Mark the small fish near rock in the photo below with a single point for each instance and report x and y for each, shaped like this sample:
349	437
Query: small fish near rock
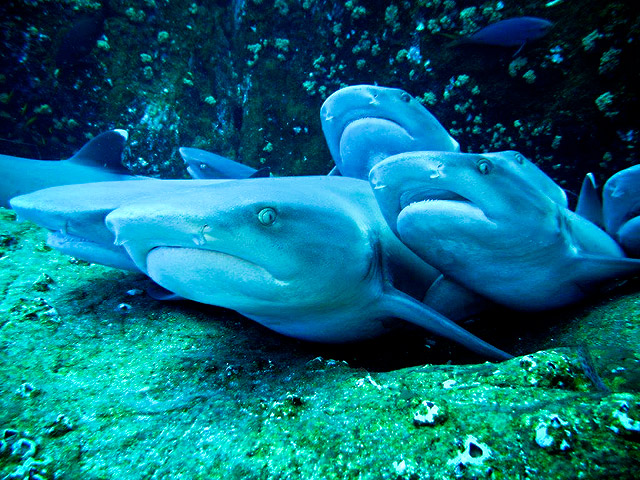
512	32
81	37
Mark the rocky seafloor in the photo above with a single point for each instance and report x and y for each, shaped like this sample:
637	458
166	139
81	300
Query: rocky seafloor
99	381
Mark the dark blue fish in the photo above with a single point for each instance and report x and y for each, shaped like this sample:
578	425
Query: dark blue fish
512	32
80	39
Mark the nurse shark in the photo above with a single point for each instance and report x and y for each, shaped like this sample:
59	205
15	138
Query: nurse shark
493	227
309	257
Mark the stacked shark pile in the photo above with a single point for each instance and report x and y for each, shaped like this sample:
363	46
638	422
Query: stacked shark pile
406	227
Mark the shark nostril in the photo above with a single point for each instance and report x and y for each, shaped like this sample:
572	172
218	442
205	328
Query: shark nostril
200	238
437	171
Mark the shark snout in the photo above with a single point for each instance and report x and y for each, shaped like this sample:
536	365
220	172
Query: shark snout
139	230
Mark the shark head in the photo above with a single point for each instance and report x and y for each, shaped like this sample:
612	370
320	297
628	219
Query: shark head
75	214
621	208
488	187
364	124
492	222
259	246
202	165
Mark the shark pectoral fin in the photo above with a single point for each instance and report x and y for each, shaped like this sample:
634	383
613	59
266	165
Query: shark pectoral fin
589	204
158	292
629	237
103	151
397	304
602	268
453	300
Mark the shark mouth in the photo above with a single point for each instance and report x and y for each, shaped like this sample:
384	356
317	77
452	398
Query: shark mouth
215	260
426	194
210	276
366	117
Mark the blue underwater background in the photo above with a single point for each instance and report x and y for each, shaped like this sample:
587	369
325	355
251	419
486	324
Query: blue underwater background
98	381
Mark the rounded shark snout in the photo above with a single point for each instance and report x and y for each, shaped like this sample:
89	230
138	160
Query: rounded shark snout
400	179
139	230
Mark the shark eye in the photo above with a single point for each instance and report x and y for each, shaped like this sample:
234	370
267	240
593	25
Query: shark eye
484	166
519	158
267	216
405	97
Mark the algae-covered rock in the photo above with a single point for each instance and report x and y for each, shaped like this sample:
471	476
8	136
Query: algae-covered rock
99	381
156	67
181	390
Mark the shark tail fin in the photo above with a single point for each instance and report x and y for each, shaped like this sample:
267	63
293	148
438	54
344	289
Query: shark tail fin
399	305
104	151
589	205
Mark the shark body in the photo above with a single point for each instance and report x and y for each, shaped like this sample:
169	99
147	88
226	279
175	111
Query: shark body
496	227
621	209
99	160
309	257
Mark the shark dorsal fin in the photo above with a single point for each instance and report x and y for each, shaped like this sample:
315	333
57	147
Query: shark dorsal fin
589	204
104	151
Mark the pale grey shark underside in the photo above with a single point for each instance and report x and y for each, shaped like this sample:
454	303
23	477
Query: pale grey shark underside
74	215
362	125
309	257
486	222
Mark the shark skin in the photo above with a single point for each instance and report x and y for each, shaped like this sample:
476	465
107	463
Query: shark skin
621	209
493	230
308	257
97	161
75	214
364	124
